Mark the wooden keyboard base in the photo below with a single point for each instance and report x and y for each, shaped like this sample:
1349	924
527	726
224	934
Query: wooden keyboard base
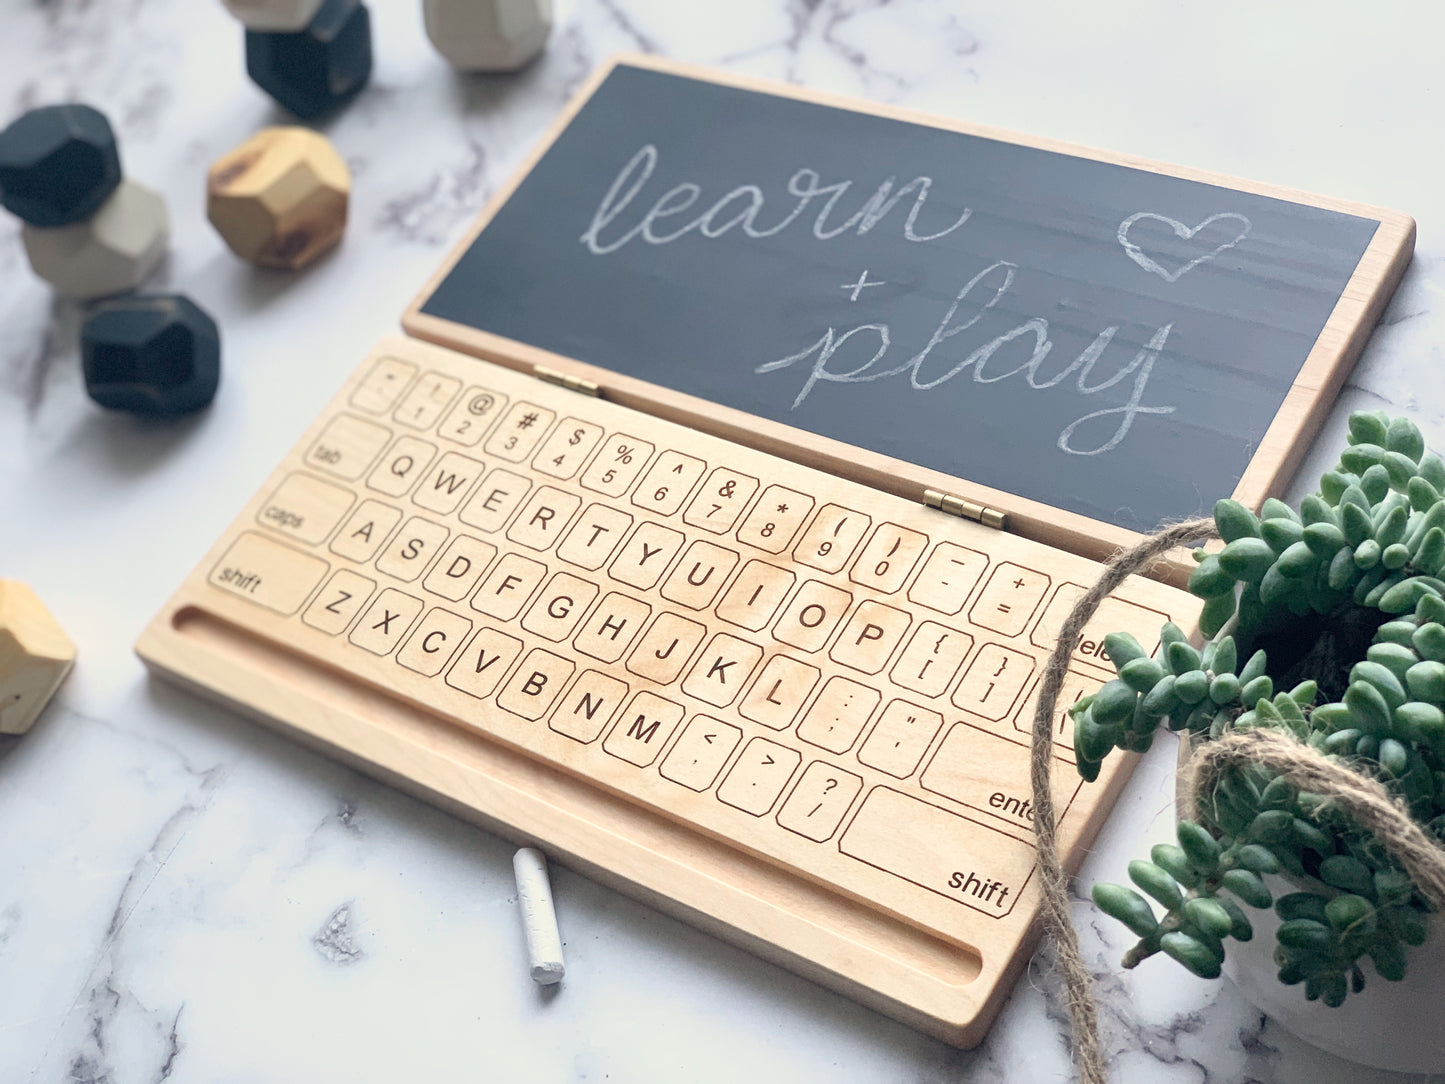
935	986
940	988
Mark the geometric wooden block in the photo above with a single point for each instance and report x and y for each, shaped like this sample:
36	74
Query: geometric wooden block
315	70
280	198
35	656
488	35
283	15
157	356
113	251
58	164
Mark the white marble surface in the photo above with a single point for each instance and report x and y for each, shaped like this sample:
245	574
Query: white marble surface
184	897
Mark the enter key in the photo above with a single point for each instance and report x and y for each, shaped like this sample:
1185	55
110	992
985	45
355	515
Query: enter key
991	774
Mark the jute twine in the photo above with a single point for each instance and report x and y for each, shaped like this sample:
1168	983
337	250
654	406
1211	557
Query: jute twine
1355	793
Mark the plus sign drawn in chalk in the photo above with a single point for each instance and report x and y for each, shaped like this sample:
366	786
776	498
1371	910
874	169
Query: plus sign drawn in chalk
860	285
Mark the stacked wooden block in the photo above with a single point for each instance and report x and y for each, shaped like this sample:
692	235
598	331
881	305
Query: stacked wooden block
89	231
312	56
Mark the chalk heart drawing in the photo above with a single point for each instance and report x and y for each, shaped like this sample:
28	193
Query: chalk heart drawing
1184	233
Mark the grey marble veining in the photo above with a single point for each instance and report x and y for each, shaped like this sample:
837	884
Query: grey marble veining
186	897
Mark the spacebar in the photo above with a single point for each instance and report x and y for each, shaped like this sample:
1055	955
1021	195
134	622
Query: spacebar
968	862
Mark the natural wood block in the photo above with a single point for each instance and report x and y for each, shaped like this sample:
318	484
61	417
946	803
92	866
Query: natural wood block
280	198
282	15
488	35
113	251
35	656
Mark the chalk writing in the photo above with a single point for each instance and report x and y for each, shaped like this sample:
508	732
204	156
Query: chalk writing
978	296
1184	233
740	208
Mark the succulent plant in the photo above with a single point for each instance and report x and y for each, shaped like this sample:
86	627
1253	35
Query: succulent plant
1338	602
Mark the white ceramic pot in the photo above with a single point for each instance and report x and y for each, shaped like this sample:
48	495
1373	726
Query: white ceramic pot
1389	1025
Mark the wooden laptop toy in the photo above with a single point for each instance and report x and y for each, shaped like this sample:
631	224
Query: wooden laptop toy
759	441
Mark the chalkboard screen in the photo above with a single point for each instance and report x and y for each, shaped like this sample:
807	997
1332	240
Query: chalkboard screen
1095	337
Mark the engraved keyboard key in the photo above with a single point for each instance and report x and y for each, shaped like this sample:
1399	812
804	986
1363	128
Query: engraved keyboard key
700	575
460	567
830	541
559	607
612	627
567	448
931	659
811	617
778	695
617	465
364	532
668	482
473	415
643	729
267	573
383	385
348	446
425	402
759	776
868	640
701	752
495	500
720	501
508	586
992	681
532	690
544	518
755	595
646	556
1075	685
305	508
948	577
819	801
401	466
407	555
1114	614
484	662
1009	599
722	670
889	557
664	650
447	483
520	431
938	850
839	714
596	535
338	602
775	519
434	642
588	706
903	734
991	774
385	621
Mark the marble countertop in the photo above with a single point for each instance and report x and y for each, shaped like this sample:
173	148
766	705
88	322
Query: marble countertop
185	897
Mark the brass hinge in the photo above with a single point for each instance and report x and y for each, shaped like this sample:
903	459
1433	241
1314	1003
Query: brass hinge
957	506
571	383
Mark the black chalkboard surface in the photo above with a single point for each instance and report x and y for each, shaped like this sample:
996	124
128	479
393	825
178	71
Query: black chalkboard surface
1083	333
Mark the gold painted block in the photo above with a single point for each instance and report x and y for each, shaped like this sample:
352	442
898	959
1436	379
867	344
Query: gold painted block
280	199
35	656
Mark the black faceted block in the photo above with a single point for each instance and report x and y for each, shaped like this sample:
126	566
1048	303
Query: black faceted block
156	355
58	164
316	70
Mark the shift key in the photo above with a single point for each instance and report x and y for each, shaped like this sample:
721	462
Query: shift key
268	573
939	851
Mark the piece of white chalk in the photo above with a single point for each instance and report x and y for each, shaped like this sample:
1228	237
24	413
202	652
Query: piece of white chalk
539	917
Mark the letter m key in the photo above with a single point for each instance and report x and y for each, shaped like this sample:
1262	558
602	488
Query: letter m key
644	730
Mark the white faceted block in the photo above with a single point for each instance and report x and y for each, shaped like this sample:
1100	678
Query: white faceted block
109	253
488	35
286	16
